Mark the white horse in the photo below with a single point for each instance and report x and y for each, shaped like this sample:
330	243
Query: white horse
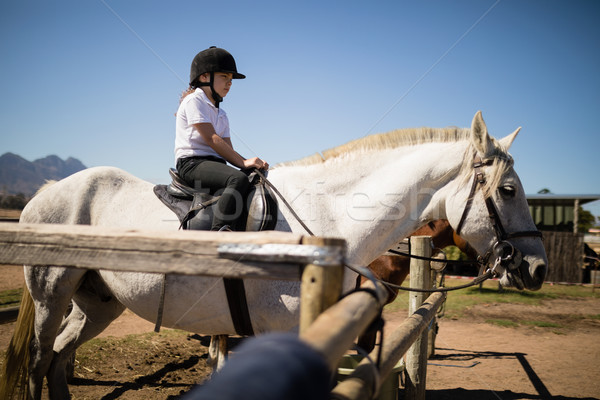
372	192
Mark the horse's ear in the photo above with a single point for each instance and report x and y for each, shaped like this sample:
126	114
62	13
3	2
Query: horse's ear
507	141
479	135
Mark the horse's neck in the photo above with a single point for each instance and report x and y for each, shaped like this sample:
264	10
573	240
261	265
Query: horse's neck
371	199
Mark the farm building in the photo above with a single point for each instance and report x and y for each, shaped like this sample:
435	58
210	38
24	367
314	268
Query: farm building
557	217
558	213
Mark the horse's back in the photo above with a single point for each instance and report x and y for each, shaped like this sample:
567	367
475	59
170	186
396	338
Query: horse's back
106	196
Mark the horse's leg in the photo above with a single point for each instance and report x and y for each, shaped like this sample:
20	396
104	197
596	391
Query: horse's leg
51	289
94	308
89	317
217	351
393	269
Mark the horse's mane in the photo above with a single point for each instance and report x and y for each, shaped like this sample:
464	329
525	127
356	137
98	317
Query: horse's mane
410	137
382	141
45	186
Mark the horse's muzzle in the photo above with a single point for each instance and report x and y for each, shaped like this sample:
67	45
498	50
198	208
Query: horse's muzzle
527	274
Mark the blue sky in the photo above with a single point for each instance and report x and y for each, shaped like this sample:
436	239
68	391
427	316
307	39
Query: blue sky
100	80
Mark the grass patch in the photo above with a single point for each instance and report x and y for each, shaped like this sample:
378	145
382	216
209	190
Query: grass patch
513	324
542	324
502	322
11	297
460	300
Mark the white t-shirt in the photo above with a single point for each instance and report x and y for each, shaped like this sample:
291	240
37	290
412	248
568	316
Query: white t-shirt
197	108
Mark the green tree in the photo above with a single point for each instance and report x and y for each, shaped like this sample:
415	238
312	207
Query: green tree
13	202
586	220
454	253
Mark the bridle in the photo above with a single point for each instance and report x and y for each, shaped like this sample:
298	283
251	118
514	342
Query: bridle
504	252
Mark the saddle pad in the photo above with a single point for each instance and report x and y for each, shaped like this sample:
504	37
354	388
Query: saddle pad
179	206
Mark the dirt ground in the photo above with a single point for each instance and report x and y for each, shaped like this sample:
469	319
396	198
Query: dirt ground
473	359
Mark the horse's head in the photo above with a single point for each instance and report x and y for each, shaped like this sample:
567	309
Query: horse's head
492	214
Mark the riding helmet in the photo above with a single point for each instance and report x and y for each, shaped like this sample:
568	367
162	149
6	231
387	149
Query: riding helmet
213	60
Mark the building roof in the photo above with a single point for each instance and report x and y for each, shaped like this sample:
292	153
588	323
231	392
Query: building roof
562	199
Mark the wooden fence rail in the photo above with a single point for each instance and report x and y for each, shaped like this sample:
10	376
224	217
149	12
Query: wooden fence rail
265	255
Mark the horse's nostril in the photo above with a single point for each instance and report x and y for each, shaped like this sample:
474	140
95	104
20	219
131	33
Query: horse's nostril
538	273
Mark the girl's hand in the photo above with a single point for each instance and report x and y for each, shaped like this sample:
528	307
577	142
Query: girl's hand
256	162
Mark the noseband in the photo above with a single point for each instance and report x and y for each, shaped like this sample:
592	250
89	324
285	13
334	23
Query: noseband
504	252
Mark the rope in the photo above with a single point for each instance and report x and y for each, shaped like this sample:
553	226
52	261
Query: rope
389	285
445	261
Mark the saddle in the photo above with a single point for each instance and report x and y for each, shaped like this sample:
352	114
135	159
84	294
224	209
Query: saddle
194	211
193	206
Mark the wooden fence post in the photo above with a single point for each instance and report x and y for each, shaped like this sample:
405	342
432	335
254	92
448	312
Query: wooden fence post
416	356
321	285
431	332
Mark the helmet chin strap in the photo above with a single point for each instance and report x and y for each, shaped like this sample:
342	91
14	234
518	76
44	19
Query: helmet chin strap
216	96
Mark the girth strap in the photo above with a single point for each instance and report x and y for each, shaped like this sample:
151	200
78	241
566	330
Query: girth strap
161	304
238	306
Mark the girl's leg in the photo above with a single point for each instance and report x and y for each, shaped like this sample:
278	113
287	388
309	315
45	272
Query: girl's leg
220	179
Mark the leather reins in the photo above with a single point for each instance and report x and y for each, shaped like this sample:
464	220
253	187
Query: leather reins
502	249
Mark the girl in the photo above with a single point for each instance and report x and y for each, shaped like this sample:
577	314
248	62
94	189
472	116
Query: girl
202	140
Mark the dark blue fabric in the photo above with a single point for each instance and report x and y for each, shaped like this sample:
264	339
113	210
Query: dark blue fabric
269	367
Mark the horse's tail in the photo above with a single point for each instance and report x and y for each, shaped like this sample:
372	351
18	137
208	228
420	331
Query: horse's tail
14	376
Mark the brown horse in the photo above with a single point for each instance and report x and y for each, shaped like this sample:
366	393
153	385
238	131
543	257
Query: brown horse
395	268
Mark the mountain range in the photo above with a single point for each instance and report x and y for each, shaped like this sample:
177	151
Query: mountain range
19	176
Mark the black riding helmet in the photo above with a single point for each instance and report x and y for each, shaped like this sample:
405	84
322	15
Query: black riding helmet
212	60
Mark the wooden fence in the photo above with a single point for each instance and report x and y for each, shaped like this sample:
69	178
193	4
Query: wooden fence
328	325
9	215
565	256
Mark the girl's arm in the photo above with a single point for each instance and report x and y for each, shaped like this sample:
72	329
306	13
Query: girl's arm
264	163
224	148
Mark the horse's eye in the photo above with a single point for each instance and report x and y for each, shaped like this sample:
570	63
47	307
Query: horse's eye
507	191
